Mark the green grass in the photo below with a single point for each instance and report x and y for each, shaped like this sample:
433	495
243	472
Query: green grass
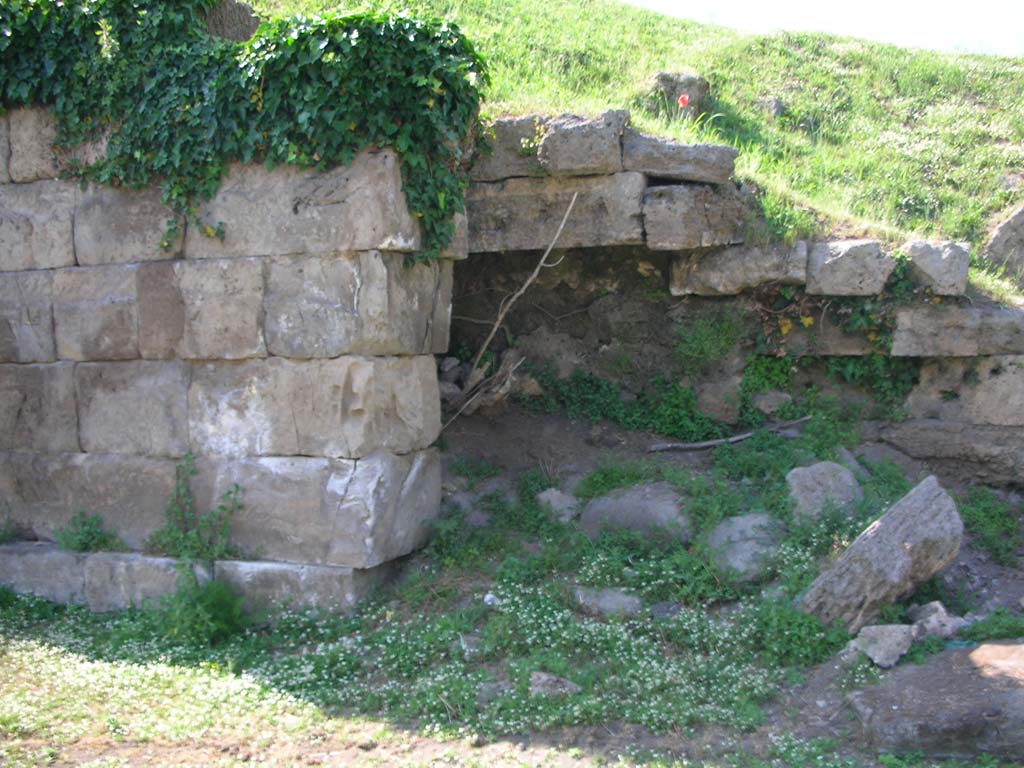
993	525
890	139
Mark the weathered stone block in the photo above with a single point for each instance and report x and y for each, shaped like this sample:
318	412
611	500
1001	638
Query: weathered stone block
34	156
524	214
5	149
358	513
736	269
209	310
744	545
685	217
289	210
42	492
513	149
1006	246
651	509
346	407
37	408
368	303
95	313
36	225
988	390
577	146
266	585
667	159
26	317
115	581
848	268
138	407
458	248
118	226
815	488
948	331
941	266
36	568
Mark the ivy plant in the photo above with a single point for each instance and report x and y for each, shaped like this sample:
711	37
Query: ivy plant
177	105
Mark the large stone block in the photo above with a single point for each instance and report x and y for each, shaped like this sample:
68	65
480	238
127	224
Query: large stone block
37	408
513	149
347	407
577	146
524	214
951	331
848	268
115	581
36	230
458	247
667	159
36	568
941	266
736	269
368	303
95	313
987	390
209	310
357	513
265	585
118	226
26	317
289	210
42	492
34	156
685	217
138	407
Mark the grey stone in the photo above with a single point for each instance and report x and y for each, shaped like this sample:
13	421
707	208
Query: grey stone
43	570
987	390
578	146
649	509
26	317
96	314
42	492
119	226
848	460
524	214
34	156
770	402
878	453
821	485
546	684
848	268
209	310
5	149
368	303
491	691
946	331
941	266
960	703
745	544
267	586
666	610
885	644
450	393
513	149
37	408
664	89
608	603
667	159
918	537
693	216
115	581
347	407
1005	248
232	20
739	268
458	247
289	210
563	506
36	225
138	407
932	620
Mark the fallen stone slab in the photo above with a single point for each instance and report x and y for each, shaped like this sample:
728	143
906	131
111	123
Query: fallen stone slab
848	268
738	268
653	508
948	331
608	603
744	544
524	214
826	484
37	408
26	317
885	644
36	229
513	150
940	266
918	537
686	217
959	704
988	390
578	146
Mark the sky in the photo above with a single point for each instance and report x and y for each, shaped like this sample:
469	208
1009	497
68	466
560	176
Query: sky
981	26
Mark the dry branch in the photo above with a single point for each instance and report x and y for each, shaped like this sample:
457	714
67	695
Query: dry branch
704	445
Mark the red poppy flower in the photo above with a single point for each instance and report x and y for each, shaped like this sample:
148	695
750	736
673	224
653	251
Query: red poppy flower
683	101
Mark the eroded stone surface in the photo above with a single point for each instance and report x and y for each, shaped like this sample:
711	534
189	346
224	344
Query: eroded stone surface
744	544
96	314
947	331
347	407
885	644
848	268
524	214
686	217
987	390
941	266
513	149
40	569
649	509
1006	246
268	585
26	317
609	603
119	226
37	408
36	225
667	159
115	581
736	269
289	210
33	154
577	146
821	486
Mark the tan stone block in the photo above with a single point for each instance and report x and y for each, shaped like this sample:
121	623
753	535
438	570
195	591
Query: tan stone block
138	407
987	390
37	408
115	581
267	585
513	150
161	310
26	317
346	407
738	268
690	216
953	331
289	210
34	156
43	570
119	226
36	225
368	303
458	248
848	268
95	312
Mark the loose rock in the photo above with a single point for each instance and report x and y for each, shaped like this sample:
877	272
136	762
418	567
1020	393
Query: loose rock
885	644
932	620
563	505
815	487
744	544
545	684
652	508
848	268
608	603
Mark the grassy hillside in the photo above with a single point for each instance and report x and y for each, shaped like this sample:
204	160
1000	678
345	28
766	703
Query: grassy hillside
873	137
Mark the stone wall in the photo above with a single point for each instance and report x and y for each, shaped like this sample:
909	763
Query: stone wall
293	357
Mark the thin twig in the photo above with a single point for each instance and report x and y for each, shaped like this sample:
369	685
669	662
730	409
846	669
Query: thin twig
704	445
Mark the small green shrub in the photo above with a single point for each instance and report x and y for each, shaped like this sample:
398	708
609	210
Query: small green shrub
1000	625
709	337
200	614
611	477
887	379
924	649
474	470
7	597
86	533
992	525
782	634
8	532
